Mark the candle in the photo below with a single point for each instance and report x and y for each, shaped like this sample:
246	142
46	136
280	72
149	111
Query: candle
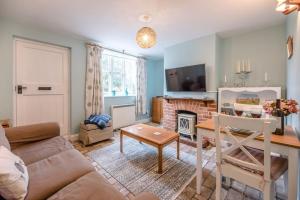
243	65
266	76
225	79
248	66
238	67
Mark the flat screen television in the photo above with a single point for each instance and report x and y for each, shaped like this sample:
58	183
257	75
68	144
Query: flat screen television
186	79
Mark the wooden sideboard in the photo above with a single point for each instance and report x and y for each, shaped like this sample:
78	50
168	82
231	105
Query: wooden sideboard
157	109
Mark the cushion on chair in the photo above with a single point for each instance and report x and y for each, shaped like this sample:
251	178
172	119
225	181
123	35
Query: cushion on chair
278	164
37	151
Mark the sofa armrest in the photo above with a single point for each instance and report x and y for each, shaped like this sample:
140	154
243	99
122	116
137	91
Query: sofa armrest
146	196
18	136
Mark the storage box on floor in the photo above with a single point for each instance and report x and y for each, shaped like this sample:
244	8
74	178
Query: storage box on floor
90	133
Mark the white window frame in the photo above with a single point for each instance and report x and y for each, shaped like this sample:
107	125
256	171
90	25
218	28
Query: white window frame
112	55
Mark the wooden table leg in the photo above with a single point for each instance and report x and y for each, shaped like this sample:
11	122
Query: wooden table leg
121	142
160	160
293	167
199	162
178	148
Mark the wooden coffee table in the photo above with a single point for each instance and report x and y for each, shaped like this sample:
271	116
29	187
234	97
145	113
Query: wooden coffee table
154	136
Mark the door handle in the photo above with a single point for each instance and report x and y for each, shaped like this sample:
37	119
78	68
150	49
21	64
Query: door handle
44	88
20	89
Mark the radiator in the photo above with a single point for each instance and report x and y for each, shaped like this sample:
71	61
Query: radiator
123	115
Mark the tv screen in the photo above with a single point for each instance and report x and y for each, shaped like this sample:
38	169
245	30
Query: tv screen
189	78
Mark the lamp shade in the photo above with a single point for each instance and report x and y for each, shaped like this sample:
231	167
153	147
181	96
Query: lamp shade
287	6
146	37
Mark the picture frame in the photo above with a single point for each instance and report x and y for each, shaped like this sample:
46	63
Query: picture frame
289	47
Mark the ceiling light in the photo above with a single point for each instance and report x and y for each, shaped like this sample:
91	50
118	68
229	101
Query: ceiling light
146	37
287	6
145	18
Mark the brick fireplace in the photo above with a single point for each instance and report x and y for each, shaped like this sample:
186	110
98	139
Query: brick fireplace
171	106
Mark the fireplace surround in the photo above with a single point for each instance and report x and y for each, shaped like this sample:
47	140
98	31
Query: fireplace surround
171	106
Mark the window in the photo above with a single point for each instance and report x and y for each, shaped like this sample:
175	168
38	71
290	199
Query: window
118	74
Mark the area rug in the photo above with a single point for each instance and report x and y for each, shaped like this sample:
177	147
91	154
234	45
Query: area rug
136	168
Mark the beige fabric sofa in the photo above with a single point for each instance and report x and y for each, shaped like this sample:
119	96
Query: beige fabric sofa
56	170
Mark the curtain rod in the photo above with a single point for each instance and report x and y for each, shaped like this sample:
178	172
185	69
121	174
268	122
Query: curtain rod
114	50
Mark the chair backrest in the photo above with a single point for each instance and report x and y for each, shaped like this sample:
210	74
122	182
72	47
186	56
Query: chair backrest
256	127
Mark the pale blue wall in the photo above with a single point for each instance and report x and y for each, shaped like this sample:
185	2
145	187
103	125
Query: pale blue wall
197	51
155	76
78	53
78	62
293	65
293	71
266	50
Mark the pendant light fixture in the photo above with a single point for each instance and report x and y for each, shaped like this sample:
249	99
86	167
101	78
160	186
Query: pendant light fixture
288	6
146	36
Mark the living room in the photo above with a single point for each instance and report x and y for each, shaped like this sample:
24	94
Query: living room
122	99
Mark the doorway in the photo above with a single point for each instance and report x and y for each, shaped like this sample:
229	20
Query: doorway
41	82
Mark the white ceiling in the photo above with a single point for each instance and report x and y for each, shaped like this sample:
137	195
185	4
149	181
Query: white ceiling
114	23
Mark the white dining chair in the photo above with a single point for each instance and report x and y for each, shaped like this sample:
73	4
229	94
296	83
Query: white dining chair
253	167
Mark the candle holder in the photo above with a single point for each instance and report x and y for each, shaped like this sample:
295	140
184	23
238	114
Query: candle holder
243	75
243	69
266	83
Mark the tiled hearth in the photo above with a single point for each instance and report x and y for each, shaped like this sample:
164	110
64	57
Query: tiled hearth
201	108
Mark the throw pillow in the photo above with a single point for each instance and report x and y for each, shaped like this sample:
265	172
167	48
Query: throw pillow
13	175
3	139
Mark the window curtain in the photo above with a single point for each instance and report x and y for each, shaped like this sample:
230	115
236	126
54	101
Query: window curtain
94	100
141	98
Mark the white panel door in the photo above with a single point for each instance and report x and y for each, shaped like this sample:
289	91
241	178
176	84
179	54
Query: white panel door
41	74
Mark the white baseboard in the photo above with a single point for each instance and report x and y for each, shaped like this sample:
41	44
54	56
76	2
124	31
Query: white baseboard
142	121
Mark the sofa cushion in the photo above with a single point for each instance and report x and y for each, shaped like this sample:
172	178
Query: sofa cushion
3	139
13	175
92	186
48	176
21	135
146	196
37	151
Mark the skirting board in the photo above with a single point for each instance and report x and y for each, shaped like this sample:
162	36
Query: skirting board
75	136
143	121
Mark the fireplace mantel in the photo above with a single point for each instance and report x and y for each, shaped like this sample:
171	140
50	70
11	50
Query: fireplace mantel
204	100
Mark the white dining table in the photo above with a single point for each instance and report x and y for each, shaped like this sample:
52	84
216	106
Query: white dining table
287	145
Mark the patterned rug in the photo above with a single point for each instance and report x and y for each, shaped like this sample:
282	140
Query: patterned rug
136	168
